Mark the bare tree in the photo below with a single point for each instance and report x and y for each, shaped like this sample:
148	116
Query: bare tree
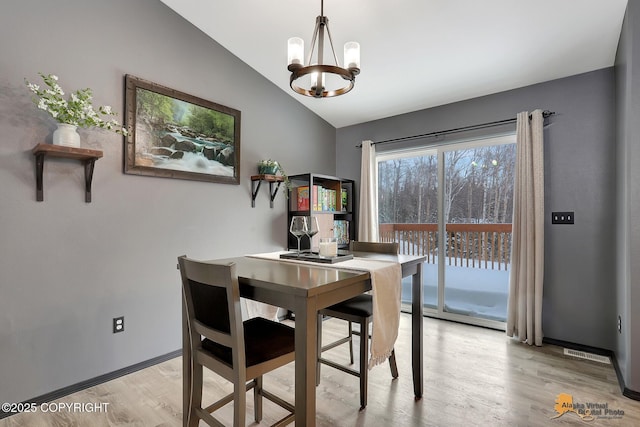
478	186
456	170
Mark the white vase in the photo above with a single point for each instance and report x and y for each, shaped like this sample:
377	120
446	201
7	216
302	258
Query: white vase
66	135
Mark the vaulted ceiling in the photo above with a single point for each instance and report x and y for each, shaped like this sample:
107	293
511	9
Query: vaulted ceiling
417	54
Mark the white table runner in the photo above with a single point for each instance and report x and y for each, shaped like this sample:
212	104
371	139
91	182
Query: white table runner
386	277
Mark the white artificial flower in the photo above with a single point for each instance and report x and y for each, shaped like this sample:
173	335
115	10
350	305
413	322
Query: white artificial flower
77	111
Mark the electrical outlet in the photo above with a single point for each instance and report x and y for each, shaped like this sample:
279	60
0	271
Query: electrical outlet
118	324
619	324
561	217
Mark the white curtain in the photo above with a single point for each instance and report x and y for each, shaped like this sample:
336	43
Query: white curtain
368	207
524	316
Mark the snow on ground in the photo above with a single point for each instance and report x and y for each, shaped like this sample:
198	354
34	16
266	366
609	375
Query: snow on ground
476	292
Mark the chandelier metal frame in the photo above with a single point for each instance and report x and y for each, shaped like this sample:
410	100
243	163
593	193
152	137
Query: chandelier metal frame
317	71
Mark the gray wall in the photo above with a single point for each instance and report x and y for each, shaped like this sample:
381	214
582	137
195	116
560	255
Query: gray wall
628	196
68	267
579	289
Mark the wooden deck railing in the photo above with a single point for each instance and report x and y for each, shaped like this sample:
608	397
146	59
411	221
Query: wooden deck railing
468	245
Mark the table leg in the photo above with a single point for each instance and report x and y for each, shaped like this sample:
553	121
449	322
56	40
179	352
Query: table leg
306	358
416	327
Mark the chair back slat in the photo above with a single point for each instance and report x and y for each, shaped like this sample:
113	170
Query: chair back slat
210	305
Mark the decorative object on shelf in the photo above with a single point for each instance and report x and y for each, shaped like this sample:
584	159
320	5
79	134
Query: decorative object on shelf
202	143
344	196
66	135
324	80
268	167
272	167
76	111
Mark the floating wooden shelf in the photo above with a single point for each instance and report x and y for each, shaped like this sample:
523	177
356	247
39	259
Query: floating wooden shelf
84	155
256	181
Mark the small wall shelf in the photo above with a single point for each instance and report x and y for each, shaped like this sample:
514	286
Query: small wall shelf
86	156
256	181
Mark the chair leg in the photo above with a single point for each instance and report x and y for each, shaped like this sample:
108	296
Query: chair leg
257	399
239	402
319	349
364	359
393	365
351	341
196	395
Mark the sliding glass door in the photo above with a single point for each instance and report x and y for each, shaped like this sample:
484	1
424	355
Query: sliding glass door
453	204
408	211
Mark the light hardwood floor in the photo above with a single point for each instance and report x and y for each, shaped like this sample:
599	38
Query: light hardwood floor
473	377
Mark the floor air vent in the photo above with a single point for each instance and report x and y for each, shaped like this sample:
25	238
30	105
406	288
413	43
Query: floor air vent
588	356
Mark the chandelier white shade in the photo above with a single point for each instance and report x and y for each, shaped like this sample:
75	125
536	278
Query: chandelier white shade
325	80
352	55
295	50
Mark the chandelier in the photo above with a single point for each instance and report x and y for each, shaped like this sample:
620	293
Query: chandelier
324	80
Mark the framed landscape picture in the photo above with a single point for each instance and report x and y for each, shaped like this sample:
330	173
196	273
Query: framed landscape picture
176	135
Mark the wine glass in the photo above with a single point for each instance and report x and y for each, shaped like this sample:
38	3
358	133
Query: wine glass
311	229
298	228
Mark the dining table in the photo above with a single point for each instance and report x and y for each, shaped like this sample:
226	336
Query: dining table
305	288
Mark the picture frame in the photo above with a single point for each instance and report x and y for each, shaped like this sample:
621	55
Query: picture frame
172	134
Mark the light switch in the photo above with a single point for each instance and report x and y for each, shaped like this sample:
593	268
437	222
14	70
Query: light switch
562	217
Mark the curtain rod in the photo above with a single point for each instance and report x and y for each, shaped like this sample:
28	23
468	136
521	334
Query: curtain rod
545	114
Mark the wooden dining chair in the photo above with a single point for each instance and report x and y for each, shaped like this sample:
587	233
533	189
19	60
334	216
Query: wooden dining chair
358	309
218	339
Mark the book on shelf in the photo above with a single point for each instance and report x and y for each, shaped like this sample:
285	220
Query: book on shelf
320	198
315	198
324	199
341	231
303	198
